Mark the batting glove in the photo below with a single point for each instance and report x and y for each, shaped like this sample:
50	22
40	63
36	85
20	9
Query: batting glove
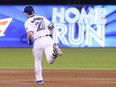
30	42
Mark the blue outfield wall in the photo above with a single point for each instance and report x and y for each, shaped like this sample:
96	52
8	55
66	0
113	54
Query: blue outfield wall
75	26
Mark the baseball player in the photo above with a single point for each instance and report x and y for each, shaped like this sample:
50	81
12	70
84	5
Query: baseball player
40	29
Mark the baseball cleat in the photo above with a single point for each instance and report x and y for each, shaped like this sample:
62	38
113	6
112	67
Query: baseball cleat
54	55
57	51
40	82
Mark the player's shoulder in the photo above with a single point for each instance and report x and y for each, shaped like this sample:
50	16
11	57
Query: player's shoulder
39	16
27	21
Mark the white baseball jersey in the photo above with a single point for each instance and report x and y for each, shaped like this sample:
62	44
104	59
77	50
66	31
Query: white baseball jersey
39	25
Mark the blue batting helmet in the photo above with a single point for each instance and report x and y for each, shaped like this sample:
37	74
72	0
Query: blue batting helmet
28	9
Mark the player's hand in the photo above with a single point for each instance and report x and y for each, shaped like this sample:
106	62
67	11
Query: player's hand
30	42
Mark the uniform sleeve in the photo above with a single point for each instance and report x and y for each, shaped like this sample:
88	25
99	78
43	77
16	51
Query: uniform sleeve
49	24
28	27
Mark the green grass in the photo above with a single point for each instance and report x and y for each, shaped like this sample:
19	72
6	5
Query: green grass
72	59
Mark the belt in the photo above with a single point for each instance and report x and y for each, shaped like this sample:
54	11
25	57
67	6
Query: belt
42	36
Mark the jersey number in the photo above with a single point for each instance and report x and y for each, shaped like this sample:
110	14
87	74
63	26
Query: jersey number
41	26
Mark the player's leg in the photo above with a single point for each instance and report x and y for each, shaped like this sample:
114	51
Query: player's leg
37	64
52	52
49	54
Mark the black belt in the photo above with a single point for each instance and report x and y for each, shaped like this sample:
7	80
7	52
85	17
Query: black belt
42	36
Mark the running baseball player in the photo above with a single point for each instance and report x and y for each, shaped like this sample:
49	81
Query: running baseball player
40	29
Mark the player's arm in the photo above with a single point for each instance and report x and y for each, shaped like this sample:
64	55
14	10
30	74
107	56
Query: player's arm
29	31
30	36
51	31
51	27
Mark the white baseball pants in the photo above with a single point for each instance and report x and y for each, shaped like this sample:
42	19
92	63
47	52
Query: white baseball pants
42	45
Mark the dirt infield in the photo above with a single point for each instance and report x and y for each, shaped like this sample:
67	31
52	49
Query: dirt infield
55	78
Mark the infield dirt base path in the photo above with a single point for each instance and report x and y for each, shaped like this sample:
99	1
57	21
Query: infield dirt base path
55	78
